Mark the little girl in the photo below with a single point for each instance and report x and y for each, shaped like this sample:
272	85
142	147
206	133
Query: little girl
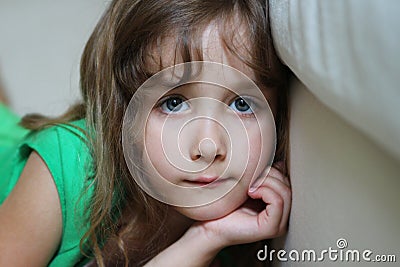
68	195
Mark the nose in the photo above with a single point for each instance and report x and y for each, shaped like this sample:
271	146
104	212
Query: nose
209	142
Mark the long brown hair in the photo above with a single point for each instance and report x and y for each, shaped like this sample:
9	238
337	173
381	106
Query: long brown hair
126	225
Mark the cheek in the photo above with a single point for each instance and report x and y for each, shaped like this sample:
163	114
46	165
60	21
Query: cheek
154	160
261	151
255	149
153	140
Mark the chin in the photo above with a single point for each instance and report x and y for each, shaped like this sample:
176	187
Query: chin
212	211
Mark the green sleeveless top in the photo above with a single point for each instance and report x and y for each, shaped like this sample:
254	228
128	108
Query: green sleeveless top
65	153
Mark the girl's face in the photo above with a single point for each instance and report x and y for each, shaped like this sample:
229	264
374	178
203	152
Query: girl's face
204	135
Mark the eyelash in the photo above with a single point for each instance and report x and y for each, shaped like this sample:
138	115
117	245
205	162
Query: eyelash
163	104
248	102
165	100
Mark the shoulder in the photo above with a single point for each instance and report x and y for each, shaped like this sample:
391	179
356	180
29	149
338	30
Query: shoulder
31	218
65	151
63	147
72	134
57	156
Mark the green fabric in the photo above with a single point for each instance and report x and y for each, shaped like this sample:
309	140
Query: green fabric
65	153
10	131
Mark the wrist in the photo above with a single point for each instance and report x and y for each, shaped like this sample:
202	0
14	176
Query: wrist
206	242
195	249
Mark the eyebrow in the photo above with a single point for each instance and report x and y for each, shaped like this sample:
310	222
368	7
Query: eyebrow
250	84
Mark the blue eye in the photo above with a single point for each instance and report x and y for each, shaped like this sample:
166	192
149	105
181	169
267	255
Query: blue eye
174	104
242	106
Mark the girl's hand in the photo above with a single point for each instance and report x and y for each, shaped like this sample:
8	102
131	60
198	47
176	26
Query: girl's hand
264	215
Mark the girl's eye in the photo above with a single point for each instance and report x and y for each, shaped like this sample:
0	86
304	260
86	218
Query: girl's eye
242	106
174	104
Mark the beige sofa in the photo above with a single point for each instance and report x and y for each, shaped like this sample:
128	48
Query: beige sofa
345	128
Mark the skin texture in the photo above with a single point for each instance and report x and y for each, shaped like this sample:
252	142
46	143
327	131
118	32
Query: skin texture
205	142
30	218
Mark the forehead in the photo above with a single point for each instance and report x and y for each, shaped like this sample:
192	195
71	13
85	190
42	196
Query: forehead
213	43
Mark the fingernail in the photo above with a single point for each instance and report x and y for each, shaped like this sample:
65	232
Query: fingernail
252	189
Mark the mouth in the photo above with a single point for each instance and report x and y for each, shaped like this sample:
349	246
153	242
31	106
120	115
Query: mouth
201	181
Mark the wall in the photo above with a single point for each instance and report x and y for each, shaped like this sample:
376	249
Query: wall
40	48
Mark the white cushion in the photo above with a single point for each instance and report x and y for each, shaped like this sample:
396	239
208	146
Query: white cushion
347	53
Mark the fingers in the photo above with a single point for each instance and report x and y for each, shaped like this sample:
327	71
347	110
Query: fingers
264	215
269	219
285	194
276	193
274	172
281	184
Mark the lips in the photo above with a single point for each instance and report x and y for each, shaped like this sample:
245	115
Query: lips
201	181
